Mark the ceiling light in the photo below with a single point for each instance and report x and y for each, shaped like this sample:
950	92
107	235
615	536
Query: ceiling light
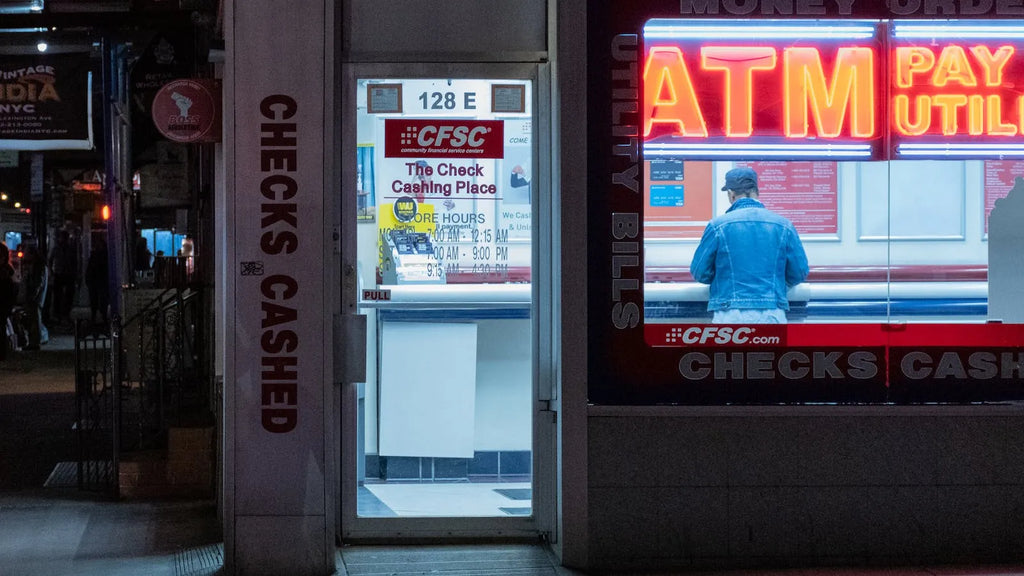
21	6
41	46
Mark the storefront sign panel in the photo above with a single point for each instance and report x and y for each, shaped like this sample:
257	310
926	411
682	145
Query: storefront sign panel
801	89
276	230
805	192
1000	177
453	185
46	102
953	91
188	110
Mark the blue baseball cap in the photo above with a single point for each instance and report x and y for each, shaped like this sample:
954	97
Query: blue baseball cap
740	179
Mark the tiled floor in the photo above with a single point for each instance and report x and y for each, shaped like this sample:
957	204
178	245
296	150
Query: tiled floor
450	499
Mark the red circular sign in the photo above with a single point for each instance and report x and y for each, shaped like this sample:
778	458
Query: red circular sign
184	110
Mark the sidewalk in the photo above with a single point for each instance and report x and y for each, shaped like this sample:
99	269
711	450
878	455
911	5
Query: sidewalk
64	532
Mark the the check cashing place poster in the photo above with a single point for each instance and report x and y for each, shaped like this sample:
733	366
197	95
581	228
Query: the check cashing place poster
456	165
793	88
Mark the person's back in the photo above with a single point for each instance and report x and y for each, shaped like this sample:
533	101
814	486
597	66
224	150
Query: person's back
62	258
750	256
749	269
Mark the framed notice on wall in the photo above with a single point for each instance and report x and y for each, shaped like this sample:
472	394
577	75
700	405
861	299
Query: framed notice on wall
384	98
805	192
999	179
678	198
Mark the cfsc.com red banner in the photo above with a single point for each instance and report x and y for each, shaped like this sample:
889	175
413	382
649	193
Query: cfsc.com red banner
936	362
800	335
442	138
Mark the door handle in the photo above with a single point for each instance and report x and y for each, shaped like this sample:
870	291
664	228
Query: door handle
349	348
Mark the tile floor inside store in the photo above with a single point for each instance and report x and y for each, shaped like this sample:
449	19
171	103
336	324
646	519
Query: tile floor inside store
445	499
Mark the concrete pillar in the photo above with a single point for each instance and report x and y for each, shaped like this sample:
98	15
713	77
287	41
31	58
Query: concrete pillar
279	474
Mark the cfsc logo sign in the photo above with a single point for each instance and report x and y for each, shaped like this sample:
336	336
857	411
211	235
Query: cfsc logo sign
714	335
440	138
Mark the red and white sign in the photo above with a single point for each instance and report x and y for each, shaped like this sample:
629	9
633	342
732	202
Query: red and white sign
805	192
832	335
999	179
382	295
441	138
188	110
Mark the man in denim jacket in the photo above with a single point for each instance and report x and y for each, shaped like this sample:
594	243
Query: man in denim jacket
750	256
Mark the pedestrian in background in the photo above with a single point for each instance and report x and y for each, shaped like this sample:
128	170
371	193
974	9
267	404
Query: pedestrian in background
35	278
8	296
97	282
64	267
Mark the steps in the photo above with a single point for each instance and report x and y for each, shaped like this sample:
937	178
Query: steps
184	470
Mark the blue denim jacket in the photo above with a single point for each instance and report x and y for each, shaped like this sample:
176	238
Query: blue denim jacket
749	256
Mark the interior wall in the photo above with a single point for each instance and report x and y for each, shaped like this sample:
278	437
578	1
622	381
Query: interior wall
924	203
807	486
503	395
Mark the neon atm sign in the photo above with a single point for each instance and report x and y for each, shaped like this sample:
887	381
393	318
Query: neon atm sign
815	89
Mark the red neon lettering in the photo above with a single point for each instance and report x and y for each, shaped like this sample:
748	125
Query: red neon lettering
975	115
825	103
953	67
669	97
995	124
911	60
1020	113
738	63
993	63
901	114
948	105
806	91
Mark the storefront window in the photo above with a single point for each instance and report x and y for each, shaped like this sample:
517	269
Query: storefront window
891	148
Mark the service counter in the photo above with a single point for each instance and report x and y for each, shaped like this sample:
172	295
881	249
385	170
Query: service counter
448	392
842	294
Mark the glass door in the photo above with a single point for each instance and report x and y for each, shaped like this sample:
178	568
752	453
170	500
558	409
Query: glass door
443	171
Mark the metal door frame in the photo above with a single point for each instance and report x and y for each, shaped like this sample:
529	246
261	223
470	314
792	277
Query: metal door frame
542	522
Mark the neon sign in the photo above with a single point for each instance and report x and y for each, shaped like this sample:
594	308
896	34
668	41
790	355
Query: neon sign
953	90
756	89
751	89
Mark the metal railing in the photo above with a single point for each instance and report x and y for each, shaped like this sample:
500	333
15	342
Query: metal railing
135	380
96	415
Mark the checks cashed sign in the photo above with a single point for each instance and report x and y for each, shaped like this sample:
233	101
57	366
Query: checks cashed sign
277	484
46	102
279	182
